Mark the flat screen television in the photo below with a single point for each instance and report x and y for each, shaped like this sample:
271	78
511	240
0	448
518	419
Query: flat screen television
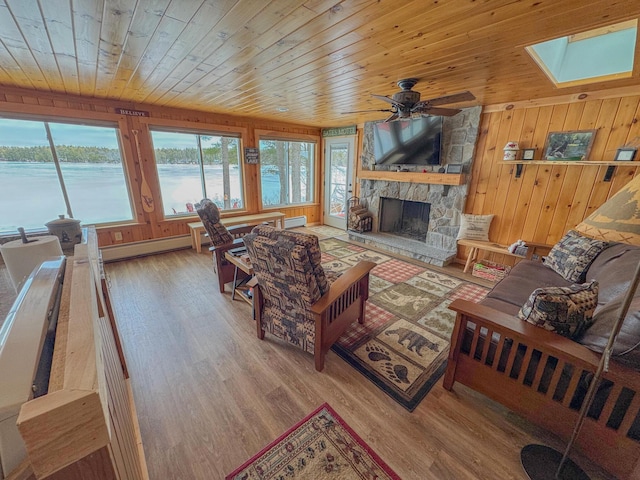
408	142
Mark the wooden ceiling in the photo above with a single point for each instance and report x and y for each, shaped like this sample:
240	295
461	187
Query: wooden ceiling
316	58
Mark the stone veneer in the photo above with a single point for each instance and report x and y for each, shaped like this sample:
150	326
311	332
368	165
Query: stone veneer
460	133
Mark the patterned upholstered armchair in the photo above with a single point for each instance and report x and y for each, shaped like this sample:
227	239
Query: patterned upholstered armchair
222	239
294	300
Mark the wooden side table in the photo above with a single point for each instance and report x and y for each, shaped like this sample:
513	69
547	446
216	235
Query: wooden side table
478	246
243	264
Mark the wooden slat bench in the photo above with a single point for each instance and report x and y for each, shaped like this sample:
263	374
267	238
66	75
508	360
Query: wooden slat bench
196	228
477	246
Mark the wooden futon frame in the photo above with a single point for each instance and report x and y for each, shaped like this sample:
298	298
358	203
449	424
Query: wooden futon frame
543	377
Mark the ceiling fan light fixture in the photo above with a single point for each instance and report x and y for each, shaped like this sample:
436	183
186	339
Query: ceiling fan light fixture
406	103
282	109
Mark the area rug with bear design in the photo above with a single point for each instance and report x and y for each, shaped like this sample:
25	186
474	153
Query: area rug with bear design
403	345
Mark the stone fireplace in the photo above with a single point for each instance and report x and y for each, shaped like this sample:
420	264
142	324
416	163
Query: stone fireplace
437	245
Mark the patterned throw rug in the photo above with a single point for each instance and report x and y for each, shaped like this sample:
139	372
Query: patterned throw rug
321	446
404	344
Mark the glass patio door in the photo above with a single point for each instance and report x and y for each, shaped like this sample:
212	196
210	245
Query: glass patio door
339	154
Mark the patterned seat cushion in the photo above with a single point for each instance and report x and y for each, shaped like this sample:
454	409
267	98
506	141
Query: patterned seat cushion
289	288
573	254
567	311
310	242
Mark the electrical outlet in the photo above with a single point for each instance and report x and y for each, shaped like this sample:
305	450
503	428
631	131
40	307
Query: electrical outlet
117	236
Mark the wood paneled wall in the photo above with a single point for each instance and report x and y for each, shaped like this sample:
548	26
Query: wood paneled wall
153	225
540	206
547	200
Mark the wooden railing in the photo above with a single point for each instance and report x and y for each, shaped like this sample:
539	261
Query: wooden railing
87	421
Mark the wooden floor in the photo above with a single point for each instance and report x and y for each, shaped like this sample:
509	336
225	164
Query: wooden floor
210	394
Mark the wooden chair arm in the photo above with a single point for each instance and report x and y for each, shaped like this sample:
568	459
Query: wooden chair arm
346	280
526	333
240	229
237	242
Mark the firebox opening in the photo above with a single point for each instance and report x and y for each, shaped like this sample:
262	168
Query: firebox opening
404	218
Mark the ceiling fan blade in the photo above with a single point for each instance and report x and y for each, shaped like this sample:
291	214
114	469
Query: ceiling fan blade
387	99
392	117
443	112
364	111
455	98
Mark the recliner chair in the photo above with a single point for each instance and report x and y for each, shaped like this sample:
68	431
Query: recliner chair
294	300
222	240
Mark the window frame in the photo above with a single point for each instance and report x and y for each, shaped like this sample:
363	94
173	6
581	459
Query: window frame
178	126
291	137
37	113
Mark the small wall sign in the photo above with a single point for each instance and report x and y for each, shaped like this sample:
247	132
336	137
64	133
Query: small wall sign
252	156
339	131
132	113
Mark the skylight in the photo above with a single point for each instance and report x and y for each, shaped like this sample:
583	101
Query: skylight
598	55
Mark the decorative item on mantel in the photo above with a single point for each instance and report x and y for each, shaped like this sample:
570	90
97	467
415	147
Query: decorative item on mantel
510	151
67	230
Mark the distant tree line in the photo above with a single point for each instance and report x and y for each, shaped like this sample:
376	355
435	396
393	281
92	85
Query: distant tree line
75	154
210	155
66	153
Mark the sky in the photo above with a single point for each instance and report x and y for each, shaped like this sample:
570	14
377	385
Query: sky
27	133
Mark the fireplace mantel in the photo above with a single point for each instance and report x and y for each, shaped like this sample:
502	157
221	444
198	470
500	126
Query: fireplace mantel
414	177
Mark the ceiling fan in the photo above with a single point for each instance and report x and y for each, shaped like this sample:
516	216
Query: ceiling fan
406	102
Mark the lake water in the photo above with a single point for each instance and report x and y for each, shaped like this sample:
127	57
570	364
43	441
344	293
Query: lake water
30	194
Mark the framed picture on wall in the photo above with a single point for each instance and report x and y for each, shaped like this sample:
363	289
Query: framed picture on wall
570	145
528	154
625	154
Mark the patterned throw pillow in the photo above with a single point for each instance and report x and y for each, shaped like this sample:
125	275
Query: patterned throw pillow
474	227
567	311
572	256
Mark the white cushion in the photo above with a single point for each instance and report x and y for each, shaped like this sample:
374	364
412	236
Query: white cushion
474	227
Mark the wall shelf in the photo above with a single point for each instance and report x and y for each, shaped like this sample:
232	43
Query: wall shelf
413	177
610	164
572	162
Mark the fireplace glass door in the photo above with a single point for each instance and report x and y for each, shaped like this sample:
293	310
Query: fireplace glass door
404	218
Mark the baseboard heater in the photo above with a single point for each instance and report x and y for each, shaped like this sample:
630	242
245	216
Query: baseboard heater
293	222
146	247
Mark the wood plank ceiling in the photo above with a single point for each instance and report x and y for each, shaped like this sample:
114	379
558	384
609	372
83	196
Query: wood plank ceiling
315	58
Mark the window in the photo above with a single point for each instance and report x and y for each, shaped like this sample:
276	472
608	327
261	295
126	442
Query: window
286	172
192	166
78	172
598	55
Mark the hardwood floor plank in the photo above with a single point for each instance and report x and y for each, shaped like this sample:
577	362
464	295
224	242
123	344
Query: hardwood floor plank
210	394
